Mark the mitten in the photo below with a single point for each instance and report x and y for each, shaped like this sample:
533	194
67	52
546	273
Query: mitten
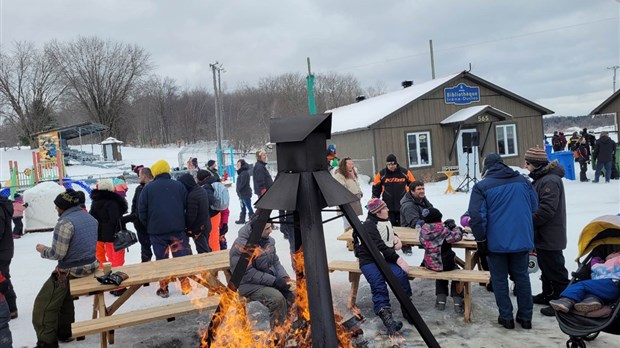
281	285
402	264
450	224
483	249
397	243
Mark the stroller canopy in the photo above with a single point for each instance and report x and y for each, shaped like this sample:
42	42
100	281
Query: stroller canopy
604	230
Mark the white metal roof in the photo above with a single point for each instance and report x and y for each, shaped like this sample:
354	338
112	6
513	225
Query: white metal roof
363	114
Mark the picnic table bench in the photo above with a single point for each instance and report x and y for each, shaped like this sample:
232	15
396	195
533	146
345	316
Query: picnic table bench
200	268
409	237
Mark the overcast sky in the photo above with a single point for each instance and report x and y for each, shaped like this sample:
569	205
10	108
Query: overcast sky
553	52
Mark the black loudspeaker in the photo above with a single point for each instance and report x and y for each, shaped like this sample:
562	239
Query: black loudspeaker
471	139
466	140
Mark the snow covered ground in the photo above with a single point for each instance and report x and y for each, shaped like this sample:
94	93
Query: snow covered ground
585	201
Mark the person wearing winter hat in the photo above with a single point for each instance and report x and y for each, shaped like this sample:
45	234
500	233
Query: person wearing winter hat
162	208
549	226
212	168
380	230
18	215
500	210
390	184
108	208
436	238
73	248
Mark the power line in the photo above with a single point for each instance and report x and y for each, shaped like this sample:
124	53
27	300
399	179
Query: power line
477	43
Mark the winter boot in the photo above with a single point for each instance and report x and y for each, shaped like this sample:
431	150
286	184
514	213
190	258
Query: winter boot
241	220
388	320
440	303
459	305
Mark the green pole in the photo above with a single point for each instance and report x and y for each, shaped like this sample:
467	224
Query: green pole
310	83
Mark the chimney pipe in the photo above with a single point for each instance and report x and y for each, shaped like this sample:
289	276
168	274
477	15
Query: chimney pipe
359	98
406	83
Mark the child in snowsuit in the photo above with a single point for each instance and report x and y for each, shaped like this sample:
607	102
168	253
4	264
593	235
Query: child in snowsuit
378	226
436	237
589	295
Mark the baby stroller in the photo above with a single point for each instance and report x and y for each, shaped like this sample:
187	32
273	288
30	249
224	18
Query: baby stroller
600	237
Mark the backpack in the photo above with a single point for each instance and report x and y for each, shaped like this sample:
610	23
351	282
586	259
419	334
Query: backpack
220	192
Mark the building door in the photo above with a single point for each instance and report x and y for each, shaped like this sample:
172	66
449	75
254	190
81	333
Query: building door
467	150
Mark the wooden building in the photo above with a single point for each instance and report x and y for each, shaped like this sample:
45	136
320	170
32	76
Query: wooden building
449	121
611	105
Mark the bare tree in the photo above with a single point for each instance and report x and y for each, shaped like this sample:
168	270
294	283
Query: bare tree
101	74
29	88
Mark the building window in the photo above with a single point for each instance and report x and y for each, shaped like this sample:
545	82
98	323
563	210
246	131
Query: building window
506	136
419	149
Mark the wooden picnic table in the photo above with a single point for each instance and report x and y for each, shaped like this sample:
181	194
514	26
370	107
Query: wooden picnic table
409	237
201	268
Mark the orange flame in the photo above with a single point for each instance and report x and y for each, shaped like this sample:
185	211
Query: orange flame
235	328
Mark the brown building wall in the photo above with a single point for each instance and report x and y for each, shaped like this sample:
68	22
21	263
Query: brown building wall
613	107
426	114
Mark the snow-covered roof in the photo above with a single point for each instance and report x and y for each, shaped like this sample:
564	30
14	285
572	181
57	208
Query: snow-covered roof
111	140
472	111
369	111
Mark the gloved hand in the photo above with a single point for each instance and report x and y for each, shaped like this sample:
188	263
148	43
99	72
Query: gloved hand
450	224
281	285
402	264
115	278
483	249
397	243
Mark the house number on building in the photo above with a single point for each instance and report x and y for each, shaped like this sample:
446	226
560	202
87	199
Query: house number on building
483	118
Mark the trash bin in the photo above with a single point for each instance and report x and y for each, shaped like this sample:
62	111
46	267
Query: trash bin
548	149
566	160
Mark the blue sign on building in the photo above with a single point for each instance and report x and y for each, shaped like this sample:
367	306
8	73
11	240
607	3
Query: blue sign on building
461	94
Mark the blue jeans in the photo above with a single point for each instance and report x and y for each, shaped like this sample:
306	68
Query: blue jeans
175	243
246	203
378	286
603	289
601	165
515	265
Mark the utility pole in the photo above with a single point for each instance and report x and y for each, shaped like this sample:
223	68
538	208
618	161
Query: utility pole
430	43
614	68
221	105
218	125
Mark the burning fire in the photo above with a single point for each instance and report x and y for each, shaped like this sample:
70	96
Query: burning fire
235	329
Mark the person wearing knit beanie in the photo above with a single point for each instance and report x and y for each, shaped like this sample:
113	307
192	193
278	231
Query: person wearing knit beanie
375	205
160	167
67	199
537	157
210	163
431	215
391	158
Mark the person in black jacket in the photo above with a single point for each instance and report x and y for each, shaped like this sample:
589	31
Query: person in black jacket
549	226
107	208
7	249
197	217
378	226
412	204
244	191
205	180
6	339
146	252
604	153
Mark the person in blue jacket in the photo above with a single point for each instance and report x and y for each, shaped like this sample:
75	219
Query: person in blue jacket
500	209
161	208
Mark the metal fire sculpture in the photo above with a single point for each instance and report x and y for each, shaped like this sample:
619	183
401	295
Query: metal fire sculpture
304	186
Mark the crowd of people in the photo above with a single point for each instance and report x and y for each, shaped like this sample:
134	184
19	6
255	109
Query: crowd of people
508	215
601	153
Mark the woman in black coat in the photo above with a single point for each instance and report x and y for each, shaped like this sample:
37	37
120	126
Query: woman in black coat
244	191
108	207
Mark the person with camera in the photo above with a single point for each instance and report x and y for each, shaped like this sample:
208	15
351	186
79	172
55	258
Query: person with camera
500	209
73	246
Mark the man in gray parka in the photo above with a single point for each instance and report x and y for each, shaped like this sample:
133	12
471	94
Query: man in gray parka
265	279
